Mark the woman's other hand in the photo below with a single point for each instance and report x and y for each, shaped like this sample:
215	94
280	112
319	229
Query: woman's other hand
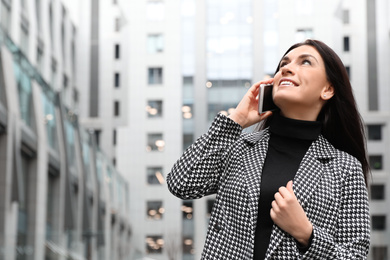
288	214
246	112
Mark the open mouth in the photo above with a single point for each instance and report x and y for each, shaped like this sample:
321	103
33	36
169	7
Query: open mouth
287	83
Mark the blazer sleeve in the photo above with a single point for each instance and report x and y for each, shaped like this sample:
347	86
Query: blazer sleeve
352	239
198	170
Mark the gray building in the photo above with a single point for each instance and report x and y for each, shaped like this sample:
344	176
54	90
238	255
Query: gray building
189	60
61	196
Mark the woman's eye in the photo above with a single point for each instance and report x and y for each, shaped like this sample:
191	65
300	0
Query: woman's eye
306	62
283	64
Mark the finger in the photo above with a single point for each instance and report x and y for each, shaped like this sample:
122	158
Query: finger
284	192
278	198
289	186
275	206
265	115
272	214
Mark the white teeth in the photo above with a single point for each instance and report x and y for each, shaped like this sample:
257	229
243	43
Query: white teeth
286	83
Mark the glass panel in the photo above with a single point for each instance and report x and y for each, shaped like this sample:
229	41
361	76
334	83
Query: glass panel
5	15
375	162
86	150
154	210
154	175
155	43
377	192
50	121
378	222
109	180
154	108
50	206
155	143
379	253
22	237
188	245
25	95
374	132
154	244
70	143
155	76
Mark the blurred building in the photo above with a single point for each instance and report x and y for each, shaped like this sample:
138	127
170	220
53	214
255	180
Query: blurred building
61	196
189	60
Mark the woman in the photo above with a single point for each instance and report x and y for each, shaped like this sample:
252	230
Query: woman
297	188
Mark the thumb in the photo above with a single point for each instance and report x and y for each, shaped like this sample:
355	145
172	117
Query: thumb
290	186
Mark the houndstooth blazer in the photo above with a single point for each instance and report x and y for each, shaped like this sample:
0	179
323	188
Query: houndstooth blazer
329	185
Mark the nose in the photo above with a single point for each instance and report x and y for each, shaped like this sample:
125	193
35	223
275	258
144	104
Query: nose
287	69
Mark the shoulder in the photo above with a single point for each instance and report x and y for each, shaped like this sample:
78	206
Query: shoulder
342	161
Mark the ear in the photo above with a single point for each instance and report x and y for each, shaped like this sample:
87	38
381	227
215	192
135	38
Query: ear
327	92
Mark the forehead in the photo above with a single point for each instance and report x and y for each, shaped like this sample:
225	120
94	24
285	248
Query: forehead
302	51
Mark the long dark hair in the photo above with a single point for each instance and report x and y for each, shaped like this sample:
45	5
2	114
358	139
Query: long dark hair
342	123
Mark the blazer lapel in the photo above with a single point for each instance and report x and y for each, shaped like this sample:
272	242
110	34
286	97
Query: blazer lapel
306	180
253	162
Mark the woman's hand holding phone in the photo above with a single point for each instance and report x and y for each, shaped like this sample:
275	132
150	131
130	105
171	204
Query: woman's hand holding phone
246	112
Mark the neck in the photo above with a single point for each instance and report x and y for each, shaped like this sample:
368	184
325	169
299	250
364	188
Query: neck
297	115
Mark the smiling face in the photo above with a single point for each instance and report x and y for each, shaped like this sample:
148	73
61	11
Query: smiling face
301	87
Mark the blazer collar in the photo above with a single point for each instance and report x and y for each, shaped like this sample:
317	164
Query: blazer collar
321	148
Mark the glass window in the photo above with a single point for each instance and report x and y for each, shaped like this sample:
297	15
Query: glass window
86	145
375	162
378	222
155	210
24	34
50	120
374	132
25	95
51	203
348	69
154	175
39	59
188	139
154	108
188	245
379	252
5	15
155	43
116	108
114	137
377	191
154	244
23	214
346	43
187	208
187	110
346	16
155	142
155	76
117	51
117	78
210	204
117	24
155	10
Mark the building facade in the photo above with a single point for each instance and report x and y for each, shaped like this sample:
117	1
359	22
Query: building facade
189	60
61	196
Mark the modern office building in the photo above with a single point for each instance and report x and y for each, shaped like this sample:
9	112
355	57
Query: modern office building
61	197
189	60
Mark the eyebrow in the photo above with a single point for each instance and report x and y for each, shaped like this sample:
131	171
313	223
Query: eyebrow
302	56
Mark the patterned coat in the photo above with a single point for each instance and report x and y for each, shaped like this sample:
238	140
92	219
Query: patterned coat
329	185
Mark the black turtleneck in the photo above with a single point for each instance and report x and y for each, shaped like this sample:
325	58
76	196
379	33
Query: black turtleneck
289	141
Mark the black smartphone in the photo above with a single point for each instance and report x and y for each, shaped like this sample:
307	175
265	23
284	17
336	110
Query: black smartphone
266	102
